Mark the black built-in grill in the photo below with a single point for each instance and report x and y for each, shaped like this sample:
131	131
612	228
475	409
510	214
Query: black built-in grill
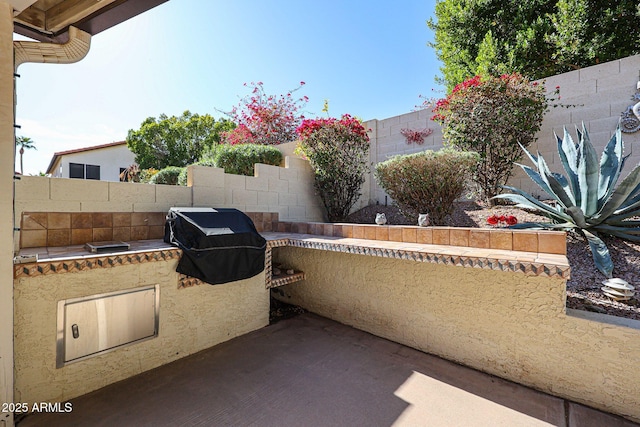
218	245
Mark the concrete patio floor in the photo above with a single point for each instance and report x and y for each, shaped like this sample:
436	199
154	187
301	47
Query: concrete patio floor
311	371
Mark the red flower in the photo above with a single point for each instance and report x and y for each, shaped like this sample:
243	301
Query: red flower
502	218
512	220
492	220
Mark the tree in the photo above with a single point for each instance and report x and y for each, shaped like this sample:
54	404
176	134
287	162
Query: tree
588	32
492	116
266	119
25	143
338	151
536	38
130	174
175	141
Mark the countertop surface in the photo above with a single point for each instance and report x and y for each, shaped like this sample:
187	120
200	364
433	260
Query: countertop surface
80	252
340	244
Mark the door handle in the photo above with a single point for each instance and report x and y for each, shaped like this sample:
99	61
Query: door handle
75	331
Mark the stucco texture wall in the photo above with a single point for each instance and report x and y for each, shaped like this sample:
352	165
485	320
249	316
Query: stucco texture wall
191	319
507	324
7	151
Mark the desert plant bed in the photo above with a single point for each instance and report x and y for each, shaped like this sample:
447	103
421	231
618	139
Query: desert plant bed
583	288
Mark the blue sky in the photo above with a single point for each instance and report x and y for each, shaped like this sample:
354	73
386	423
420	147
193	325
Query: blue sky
370	59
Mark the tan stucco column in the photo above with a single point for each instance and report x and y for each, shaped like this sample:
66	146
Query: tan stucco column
6	208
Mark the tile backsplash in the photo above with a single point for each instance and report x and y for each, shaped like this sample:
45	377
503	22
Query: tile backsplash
51	229
76	228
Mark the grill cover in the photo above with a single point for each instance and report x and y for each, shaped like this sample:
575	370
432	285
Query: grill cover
218	245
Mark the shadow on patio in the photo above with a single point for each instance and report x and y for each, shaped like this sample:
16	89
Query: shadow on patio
311	371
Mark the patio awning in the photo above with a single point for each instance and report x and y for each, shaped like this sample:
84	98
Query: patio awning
49	20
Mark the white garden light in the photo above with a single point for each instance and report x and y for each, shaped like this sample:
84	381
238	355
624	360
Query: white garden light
618	289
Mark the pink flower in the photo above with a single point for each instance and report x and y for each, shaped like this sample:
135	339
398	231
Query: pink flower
267	119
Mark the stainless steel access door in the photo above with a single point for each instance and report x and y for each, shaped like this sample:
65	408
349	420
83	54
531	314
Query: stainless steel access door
99	323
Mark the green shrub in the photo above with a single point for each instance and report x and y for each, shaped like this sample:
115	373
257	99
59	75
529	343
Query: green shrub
209	157
426	182
147	174
338	151
168	175
239	159
182	178
492	116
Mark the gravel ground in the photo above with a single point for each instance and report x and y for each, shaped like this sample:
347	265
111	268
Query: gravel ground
583	289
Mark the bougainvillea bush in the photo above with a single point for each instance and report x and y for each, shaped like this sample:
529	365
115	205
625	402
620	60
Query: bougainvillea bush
426	182
491	116
416	135
266	119
338	151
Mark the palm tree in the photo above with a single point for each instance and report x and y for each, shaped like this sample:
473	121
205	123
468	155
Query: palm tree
24	142
130	174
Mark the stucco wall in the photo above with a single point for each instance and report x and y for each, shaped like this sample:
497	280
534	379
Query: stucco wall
7	145
508	324
191	319
599	94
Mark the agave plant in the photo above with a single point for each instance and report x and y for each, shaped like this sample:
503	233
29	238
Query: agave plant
587	199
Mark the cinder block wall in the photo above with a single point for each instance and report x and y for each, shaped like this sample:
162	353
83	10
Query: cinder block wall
599	95
286	190
387	141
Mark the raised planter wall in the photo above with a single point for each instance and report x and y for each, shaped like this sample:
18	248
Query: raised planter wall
509	324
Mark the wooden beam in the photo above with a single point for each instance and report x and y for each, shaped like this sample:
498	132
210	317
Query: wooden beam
68	12
31	17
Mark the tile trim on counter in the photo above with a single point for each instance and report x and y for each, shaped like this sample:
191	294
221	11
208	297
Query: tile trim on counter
54	229
529	263
539	241
542	252
76	264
